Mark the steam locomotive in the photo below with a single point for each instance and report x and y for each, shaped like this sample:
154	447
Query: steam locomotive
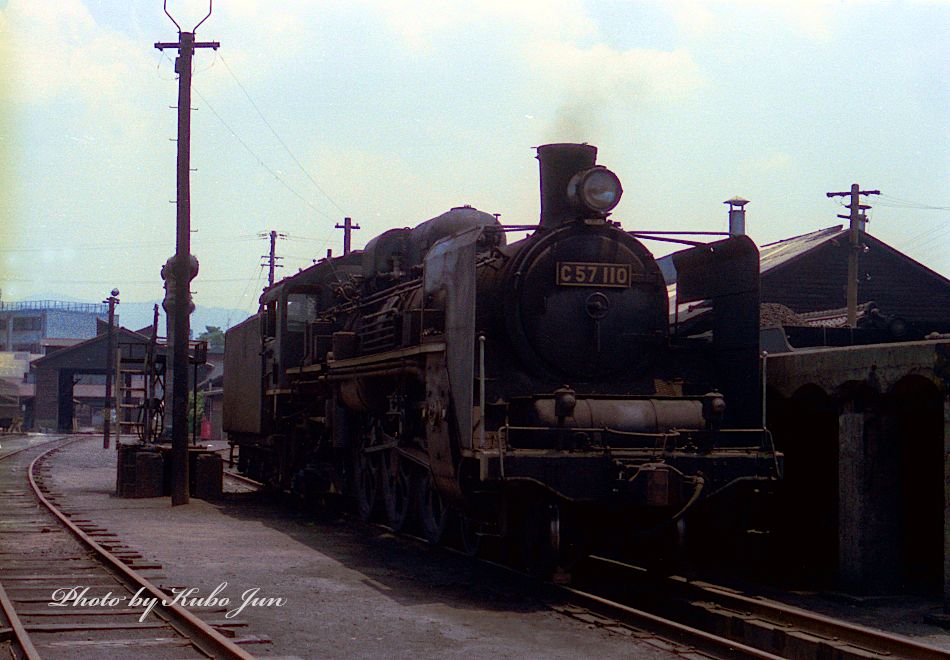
535	392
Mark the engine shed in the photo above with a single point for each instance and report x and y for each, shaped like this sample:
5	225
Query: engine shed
866	436
75	374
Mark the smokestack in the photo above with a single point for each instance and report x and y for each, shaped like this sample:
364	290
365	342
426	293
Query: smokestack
558	164
736	215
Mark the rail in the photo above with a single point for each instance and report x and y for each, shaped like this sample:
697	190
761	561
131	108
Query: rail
204	637
768	625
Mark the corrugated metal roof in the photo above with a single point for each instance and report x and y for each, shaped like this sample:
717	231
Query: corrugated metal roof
775	254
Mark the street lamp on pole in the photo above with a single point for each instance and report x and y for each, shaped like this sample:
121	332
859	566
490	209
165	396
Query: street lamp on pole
109	412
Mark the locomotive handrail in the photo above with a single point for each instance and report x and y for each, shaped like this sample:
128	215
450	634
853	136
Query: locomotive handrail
377	358
407	369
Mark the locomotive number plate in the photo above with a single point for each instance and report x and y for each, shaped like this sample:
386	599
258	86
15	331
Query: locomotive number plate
578	273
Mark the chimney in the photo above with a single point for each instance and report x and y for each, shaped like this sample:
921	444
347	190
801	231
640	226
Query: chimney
559	163
736	215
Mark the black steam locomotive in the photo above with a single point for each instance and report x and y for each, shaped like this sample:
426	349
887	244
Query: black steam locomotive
534	391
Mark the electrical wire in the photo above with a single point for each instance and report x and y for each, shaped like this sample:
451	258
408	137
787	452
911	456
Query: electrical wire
107	247
112	280
321	241
259	159
256	276
897	202
279	139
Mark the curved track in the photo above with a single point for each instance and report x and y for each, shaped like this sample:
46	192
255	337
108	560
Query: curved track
43	550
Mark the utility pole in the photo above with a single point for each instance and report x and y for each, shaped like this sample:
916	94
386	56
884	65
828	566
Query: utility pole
186	46
857	219
112	300
272	258
348	227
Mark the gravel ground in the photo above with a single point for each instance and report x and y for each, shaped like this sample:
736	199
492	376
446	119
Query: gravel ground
350	589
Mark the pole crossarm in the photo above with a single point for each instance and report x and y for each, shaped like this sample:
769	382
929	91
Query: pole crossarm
848	193
162	45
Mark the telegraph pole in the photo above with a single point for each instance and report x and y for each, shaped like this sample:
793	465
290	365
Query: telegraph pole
186	46
857	219
272	258
110	358
348	227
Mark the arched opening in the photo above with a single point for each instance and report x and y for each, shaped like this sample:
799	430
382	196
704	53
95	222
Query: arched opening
805	428
915	426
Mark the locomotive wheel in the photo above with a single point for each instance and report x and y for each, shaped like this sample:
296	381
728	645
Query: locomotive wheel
396	483
539	540
433	514
366	478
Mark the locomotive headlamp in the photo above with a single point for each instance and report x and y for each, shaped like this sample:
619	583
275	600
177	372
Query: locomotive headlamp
598	189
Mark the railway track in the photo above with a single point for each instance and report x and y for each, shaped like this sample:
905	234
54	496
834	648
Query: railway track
702	620
698	619
758	627
247	483
49	553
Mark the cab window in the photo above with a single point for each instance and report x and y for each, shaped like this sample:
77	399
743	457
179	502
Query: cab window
301	310
270	319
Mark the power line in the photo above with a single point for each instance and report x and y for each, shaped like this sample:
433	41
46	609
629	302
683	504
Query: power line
112	280
259	159
282	143
256	276
321	241
897	202
118	246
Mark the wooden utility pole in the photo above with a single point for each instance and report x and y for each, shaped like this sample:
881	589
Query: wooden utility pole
856	218
347	228
186	46
272	258
112	300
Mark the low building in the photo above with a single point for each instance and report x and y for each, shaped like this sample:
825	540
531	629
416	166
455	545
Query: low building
809	274
70	382
902	299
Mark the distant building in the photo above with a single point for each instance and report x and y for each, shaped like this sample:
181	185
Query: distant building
31	329
32	326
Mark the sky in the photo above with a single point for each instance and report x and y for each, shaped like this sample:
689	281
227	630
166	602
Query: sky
392	112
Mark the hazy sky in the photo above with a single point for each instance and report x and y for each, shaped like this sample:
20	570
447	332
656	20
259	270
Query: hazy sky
392	112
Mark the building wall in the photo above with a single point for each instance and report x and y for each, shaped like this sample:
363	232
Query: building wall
74	325
46	402
23	330
13	366
866	436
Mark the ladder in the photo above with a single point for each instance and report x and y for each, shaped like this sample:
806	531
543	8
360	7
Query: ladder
140	385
